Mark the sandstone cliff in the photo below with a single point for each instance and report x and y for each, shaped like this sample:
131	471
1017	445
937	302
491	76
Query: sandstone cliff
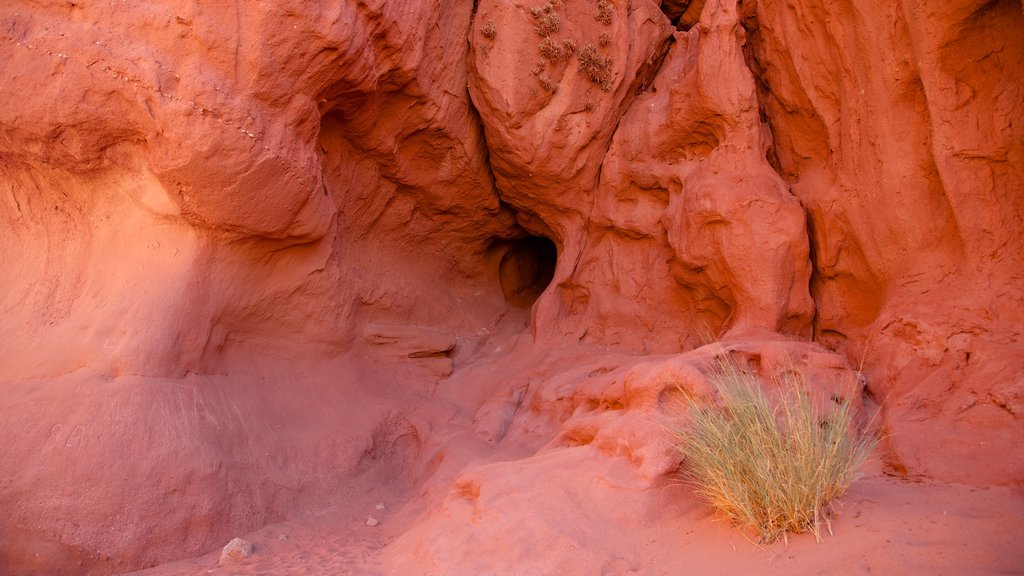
260	258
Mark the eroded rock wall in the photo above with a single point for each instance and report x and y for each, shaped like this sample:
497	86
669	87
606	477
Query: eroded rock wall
897	126
208	211
250	256
205	154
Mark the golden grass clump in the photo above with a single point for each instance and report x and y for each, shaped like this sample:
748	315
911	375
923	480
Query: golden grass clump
775	466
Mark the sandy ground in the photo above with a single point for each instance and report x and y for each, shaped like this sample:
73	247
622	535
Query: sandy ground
886	526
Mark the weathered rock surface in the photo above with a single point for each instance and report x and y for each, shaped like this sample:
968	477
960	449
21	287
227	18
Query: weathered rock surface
259	260
897	127
237	549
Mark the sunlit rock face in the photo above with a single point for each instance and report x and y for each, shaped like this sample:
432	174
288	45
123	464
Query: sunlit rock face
256	261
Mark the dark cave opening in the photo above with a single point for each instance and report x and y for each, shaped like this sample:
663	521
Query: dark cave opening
684	14
526	269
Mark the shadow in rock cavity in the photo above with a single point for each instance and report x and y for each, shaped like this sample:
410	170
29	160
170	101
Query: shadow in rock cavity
526	269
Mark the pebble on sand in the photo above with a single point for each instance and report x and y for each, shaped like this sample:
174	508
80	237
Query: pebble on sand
236	550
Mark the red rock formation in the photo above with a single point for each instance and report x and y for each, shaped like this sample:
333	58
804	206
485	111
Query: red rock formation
229	200
896	126
737	236
259	261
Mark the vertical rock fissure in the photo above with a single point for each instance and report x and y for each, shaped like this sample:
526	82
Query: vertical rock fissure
748	20
528	265
762	89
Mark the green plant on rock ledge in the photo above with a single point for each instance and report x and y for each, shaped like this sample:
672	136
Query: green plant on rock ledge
776	467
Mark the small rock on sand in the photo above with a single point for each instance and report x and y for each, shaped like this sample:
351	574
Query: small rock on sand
371	521
236	550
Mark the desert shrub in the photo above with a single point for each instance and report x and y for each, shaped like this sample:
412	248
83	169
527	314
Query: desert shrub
604	39
604	11
489	30
539	67
775	466
595	67
547	83
569	45
546	20
552	51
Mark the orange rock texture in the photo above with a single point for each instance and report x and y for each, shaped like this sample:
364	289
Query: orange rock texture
258	259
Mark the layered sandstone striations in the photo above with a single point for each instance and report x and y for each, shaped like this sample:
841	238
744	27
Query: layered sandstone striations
257	262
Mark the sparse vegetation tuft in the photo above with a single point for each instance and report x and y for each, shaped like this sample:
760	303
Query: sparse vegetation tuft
490	30
547	83
552	51
547	20
604	11
539	72
604	39
595	67
775	468
569	45
538	67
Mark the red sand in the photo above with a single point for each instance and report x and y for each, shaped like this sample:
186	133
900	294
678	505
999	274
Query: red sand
886	526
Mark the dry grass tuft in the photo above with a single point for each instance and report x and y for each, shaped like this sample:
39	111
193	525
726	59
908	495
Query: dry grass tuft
552	51
547	21
777	468
569	45
490	30
539	67
547	83
596	67
604	11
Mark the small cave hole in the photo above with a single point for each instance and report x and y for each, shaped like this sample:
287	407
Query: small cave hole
684	14
526	269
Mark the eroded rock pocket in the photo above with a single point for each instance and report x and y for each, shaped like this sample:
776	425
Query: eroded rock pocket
526	269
